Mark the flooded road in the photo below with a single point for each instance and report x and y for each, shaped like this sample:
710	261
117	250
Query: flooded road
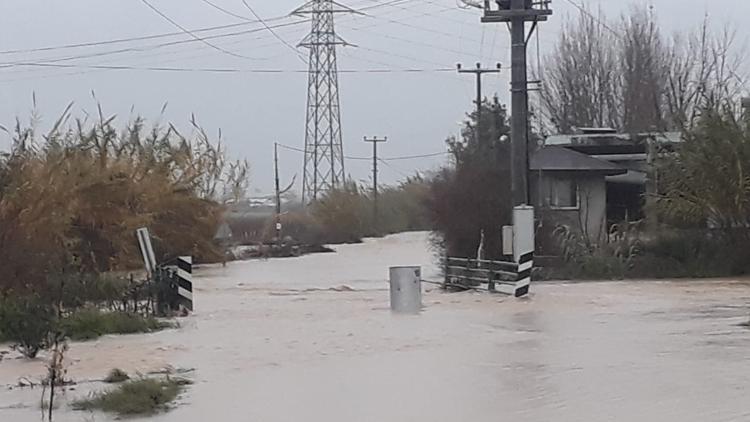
312	339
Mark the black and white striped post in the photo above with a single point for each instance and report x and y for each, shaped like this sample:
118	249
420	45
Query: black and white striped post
523	247
185	281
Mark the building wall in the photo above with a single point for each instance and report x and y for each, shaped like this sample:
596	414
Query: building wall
590	216
593	209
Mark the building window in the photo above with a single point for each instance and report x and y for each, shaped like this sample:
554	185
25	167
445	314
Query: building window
562	194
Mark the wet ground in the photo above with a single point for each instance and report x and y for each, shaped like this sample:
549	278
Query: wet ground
312	339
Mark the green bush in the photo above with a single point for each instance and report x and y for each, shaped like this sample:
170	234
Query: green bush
26	322
91	323
74	292
138	397
473	196
702	253
668	253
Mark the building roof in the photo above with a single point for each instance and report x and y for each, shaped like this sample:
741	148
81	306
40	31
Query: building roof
604	137
632	177
555	158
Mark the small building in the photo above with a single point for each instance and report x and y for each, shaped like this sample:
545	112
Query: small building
595	179
570	188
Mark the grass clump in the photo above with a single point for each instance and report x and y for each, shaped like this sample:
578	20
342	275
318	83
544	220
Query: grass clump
136	397
116	376
90	324
26	322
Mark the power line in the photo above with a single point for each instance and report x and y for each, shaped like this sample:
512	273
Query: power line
151	47
594	17
401	56
414	157
225	11
222	70
273	32
157	36
172	43
406	40
387	164
187	31
481	45
420	28
121	40
405	157
432	2
37	62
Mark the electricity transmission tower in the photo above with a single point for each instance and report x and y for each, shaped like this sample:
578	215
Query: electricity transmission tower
324	149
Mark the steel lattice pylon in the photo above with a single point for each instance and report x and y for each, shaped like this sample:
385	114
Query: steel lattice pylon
324	149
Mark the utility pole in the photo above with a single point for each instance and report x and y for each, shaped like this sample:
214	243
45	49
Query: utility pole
375	141
516	13
278	192
479	71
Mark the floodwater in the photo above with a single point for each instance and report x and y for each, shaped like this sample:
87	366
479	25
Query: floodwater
312	339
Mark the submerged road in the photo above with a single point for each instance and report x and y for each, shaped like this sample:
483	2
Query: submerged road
312	339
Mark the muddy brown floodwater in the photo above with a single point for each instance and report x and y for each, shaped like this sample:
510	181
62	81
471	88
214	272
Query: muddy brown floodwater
271	342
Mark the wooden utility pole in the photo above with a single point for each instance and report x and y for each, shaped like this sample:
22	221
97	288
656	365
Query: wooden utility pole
375	141
516	13
278	192
479	71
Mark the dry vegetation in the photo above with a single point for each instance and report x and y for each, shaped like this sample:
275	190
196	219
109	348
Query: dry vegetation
70	202
71	199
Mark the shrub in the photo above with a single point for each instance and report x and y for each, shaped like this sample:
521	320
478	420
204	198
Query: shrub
91	323
27	322
79	290
344	215
116	376
300	226
137	397
702	253
474	197
404	207
610	259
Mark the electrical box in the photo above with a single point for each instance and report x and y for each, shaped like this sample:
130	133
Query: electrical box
508	240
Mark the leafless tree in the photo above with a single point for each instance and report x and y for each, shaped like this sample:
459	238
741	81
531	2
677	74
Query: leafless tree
643	71
703	74
580	87
630	77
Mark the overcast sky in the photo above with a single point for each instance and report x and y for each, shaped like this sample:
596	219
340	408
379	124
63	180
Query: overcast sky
416	111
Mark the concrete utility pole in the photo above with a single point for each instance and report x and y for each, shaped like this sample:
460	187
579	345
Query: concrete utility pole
479	71
516	13
375	141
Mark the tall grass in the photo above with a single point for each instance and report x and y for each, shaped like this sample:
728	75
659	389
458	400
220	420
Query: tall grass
347	215
90	324
141	397
71	199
